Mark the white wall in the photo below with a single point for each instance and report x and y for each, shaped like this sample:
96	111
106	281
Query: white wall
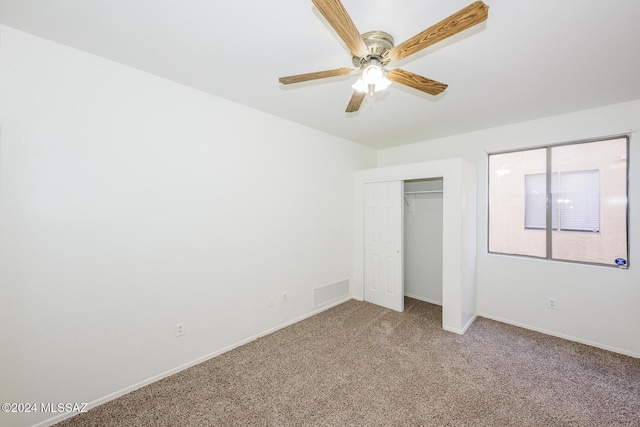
423	242
129	203
597	305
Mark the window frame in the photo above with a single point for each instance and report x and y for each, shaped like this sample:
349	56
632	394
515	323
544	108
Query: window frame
549	230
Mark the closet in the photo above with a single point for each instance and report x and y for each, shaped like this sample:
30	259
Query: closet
423	239
379	206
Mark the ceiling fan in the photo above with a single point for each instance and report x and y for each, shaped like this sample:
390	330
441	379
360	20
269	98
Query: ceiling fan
374	50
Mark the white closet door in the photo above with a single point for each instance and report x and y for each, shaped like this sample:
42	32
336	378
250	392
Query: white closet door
383	243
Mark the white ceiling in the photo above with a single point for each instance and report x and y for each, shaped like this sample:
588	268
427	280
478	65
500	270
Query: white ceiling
530	59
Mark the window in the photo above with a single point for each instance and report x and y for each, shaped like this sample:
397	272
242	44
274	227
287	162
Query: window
579	215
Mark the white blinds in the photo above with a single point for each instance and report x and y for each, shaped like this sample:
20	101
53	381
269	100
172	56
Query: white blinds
535	215
579	200
575	200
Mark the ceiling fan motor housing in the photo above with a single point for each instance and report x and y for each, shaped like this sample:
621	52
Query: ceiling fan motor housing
378	44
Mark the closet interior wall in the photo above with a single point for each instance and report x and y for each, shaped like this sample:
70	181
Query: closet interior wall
423	239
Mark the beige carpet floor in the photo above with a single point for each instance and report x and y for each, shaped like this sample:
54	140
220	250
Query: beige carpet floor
358	364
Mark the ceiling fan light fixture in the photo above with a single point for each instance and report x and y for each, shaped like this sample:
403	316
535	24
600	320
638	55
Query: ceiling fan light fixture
361	86
372	72
383	83
373	78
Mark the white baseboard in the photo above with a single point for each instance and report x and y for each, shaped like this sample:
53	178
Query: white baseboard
187	365
563	336
464	328
469	323
291	322
430	301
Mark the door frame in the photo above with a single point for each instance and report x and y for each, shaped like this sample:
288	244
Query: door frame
458	233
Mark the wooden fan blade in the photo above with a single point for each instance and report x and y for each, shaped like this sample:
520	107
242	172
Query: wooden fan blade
465	18
355	102
415	81
337	16
313	76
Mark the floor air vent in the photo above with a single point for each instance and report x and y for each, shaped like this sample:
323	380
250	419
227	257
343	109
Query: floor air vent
330	293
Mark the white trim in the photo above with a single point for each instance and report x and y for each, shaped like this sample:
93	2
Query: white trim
301	318
563	336
464	328
187	365
430	301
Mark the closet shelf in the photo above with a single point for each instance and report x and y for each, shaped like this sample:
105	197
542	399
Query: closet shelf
423	192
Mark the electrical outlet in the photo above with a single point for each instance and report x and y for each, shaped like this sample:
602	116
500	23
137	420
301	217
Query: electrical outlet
284	297
271	302
552	303
180	329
